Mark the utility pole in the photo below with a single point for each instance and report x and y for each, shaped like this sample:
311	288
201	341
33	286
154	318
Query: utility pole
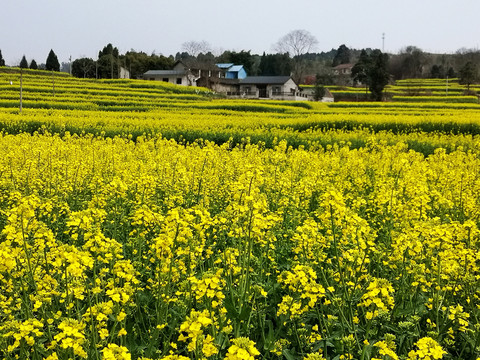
446	86
53	82
70	65
383	42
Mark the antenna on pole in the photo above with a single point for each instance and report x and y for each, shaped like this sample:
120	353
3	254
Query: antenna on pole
383	42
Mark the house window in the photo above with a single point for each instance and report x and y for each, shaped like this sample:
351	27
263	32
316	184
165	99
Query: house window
152	78
165	79
248	90
277	90
179	81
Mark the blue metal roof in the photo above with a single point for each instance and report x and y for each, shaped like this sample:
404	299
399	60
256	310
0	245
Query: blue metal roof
235	68
224	65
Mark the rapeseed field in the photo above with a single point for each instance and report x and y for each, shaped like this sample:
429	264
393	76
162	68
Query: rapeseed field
157	222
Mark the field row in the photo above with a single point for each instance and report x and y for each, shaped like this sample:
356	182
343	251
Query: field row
224	121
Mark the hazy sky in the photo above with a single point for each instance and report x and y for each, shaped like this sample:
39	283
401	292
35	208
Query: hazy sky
82	28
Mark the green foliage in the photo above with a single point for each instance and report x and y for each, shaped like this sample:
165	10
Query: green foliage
359	70
2	61
275	64
24	63
108	62
468	74
33	65
377	74
413	60
318	90
139	63
342	56
108	50
437	72
52	63
371	70
83	68
239	58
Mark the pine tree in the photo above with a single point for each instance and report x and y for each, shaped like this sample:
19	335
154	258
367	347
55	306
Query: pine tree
342	56
33	65
372	71
52	62
2	62
378	74
318	90
24	63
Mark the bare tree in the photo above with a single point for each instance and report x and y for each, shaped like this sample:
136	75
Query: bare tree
296	43
194	48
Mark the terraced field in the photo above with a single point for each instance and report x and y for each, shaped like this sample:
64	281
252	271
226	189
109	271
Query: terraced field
144	220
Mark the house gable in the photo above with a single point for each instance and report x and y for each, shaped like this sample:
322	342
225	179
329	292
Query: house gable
236	72
180	75
269	87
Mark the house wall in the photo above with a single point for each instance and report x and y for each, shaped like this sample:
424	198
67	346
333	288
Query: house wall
241	74
169	78
224	88
289	88
123	73
249	90
290	84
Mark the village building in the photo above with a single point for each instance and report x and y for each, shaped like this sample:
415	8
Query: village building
232	71
232	81
343	69
343	74
309	92
270	87
179	75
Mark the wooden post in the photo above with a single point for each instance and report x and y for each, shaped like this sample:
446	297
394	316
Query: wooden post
21	89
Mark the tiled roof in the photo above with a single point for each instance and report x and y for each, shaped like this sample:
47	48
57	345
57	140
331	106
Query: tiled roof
343	66
164	72
265	80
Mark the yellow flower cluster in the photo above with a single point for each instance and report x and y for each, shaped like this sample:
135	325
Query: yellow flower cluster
242	349
72	336
115	352
301	282
209	286
378	297
428	349
192	332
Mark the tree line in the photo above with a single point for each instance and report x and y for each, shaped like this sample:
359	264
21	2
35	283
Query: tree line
295	54
51	63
